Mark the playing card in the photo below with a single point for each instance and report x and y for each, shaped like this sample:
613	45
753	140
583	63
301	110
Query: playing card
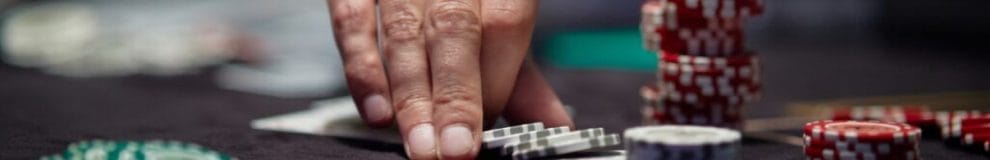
332	117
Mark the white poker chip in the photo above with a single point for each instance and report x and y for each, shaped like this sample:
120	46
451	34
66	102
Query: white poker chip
511	130
568	147
502	141
681	142
511	148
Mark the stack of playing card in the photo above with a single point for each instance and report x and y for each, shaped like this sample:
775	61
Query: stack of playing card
529	141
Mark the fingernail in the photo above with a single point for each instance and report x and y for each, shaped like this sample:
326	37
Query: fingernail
456	141
421	141
376	109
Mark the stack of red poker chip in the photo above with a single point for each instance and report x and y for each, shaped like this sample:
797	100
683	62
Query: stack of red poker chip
702	90
882	140
705	74
970	129
697	27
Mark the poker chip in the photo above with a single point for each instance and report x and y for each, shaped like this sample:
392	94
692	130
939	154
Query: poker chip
957	131
724	9
567	147
944	118
911	114
536	142
850	139
713	42
862	131
827	154
511	148
975	138
510	131
136	150
681	142
650	20
705	76
502	141
712	61
879	148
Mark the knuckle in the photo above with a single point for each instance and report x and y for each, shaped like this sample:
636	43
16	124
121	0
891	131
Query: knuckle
504	18
363	68
455	17
455	95
403	25
412	101
349	17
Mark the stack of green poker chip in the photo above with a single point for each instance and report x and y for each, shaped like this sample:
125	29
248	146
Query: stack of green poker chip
136	150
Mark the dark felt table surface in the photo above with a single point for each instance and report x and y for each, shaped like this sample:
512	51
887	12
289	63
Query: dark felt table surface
41	114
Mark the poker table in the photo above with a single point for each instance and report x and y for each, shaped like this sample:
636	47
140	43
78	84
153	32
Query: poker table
41	114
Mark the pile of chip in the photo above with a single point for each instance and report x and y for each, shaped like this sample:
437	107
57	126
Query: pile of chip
532	141
966	129
136	150
681	142
856	140
706	76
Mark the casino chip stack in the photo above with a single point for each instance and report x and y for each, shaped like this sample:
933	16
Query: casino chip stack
681	142
706	76
531	141
966	129
856	140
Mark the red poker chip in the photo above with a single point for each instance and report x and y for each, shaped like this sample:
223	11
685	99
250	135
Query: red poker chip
649	22
944	118
880	148
911	114
710	42
956	131
696	119
691	114
821	153
975	138
670	118
653	13
746	59
693	92
746	71
862	131
706	81
967	121
650	94
714	8
686	108
715	95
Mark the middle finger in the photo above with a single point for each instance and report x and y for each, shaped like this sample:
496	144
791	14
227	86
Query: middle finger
409	75
453	37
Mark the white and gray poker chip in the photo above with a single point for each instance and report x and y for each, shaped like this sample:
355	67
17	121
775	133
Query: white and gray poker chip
682	142
502	141
568	147
512	130
511	148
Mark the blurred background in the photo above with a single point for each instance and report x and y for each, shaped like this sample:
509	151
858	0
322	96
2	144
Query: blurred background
283	50
201	71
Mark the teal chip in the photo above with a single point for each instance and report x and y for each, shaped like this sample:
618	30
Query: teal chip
136	150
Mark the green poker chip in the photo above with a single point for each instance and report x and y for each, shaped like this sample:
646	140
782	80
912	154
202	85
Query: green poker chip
136	150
